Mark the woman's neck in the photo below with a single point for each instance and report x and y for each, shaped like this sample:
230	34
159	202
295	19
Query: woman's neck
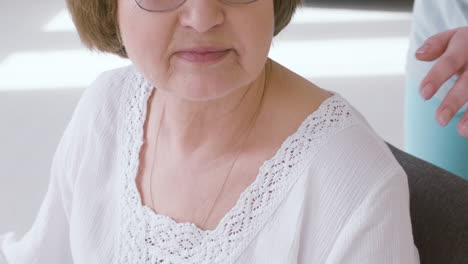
208	131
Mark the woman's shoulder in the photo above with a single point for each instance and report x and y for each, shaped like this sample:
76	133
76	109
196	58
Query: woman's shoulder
316	111
354	161
346	150
96	116
343	145
102	98
357	144
349	141
335	124
108	85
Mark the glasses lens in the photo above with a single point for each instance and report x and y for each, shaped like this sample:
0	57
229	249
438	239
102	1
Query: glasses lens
239	1
166	5
159	5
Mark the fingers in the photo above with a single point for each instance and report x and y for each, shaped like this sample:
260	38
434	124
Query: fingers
463	125
435	46
453	61
453	102
451	49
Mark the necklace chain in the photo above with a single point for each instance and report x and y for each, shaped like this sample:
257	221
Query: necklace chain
252	122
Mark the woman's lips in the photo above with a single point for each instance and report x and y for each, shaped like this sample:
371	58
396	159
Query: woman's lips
196	56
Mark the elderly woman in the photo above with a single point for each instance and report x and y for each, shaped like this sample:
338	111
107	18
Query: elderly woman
206	151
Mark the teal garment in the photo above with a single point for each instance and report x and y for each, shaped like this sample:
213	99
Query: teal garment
427	140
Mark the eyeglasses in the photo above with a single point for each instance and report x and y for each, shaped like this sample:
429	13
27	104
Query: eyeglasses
169	5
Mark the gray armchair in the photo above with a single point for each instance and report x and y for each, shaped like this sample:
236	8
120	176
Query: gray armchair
439	210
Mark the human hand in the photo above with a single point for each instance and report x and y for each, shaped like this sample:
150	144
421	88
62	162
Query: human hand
451	47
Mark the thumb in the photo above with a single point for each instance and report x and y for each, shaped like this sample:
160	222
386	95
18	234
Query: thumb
435	46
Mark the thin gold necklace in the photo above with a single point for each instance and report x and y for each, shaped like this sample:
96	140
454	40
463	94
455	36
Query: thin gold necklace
253	121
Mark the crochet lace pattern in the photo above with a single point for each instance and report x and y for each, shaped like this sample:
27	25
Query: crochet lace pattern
147	237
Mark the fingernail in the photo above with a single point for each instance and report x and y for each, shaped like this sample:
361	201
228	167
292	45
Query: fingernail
465	126
444	116
426	90
423	49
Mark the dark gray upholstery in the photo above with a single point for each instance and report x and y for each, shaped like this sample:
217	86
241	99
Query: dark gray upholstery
439	210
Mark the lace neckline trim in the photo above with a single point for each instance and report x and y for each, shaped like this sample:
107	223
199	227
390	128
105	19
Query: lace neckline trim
244	195
183	241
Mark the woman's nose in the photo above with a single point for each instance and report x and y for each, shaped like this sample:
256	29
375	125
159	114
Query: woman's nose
201	15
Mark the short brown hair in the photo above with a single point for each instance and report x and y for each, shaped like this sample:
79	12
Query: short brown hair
96	22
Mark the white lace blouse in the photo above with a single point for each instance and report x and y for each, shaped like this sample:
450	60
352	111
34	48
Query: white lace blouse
333	193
